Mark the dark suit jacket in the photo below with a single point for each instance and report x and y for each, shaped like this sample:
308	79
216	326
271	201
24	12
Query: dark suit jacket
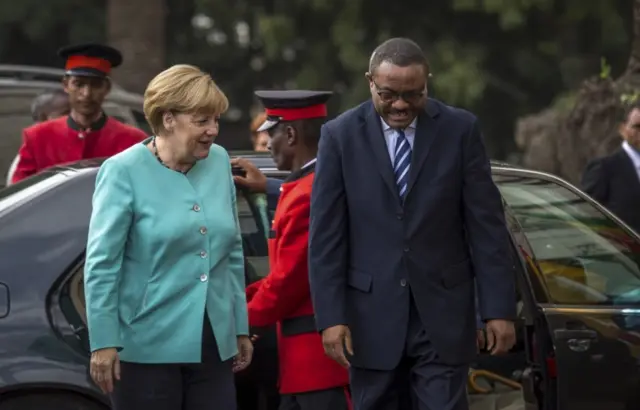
613	181
368	251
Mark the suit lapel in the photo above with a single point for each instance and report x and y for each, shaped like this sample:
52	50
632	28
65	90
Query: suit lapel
373	132
426	130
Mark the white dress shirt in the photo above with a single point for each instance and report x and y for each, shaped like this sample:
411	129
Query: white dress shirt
634	155
391	137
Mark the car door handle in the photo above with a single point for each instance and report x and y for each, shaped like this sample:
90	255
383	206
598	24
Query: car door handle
567	334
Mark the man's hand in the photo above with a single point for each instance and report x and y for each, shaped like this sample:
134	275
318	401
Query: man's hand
501	336
254	179
334	340
105	368
245	354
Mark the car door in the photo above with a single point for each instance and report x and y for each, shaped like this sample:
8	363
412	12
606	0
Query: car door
584	268
251	210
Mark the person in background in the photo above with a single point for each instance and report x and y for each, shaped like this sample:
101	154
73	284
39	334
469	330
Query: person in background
614	181
50	105
86	132
164	270
406	223
309	380
46	106
259	139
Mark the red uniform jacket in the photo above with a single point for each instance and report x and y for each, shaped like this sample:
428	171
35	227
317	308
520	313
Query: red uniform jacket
284	297
61	141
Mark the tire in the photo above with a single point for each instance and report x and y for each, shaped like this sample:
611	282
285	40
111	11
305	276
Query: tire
49	401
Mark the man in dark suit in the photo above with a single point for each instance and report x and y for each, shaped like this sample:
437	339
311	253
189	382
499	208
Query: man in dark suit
404	217
614	181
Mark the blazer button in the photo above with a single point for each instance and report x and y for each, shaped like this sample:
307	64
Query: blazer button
203	230
203	254
203	277
196	208
403	283
406	250
399	216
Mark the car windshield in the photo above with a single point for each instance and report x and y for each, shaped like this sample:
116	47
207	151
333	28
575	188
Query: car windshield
583	256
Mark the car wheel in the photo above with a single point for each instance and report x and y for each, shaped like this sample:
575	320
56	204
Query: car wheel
46	401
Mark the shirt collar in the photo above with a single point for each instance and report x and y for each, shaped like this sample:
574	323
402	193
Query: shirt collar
308	164
386	126
94	127
633	154
306	169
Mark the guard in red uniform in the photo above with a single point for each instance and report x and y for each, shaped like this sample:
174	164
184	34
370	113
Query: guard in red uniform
309	380
86	132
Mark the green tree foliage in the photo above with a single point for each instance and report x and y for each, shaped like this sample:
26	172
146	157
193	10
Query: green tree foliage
499	58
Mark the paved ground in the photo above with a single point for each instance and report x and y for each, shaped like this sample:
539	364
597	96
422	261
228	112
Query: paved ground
506	400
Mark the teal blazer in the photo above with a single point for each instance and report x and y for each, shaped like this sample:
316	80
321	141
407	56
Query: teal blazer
164	247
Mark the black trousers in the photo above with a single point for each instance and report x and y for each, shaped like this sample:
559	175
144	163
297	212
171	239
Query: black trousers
420	382
330	399
190	386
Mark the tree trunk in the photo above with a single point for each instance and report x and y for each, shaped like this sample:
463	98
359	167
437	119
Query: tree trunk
634	60
137	29
563	142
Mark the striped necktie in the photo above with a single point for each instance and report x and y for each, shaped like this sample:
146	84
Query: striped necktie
402	162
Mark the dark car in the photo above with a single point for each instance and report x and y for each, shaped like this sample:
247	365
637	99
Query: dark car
577	271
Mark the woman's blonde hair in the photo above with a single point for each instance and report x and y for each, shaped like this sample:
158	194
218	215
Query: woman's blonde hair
182	88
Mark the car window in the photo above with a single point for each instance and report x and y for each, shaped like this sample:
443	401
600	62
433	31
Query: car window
582	255
254	236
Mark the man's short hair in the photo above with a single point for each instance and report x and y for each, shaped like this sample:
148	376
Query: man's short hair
42	102
627	110
398	51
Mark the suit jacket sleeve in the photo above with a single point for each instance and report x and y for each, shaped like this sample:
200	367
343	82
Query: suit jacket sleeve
273	193
487	232
111	219
26	165
236	266
595	182
287	285
328	236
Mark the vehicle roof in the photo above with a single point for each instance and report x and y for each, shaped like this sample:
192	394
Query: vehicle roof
264	161
29	73
19	86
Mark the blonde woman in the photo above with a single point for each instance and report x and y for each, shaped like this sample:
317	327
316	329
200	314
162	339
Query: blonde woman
164	277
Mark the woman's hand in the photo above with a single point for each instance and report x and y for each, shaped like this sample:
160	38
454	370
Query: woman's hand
245	353
105	368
